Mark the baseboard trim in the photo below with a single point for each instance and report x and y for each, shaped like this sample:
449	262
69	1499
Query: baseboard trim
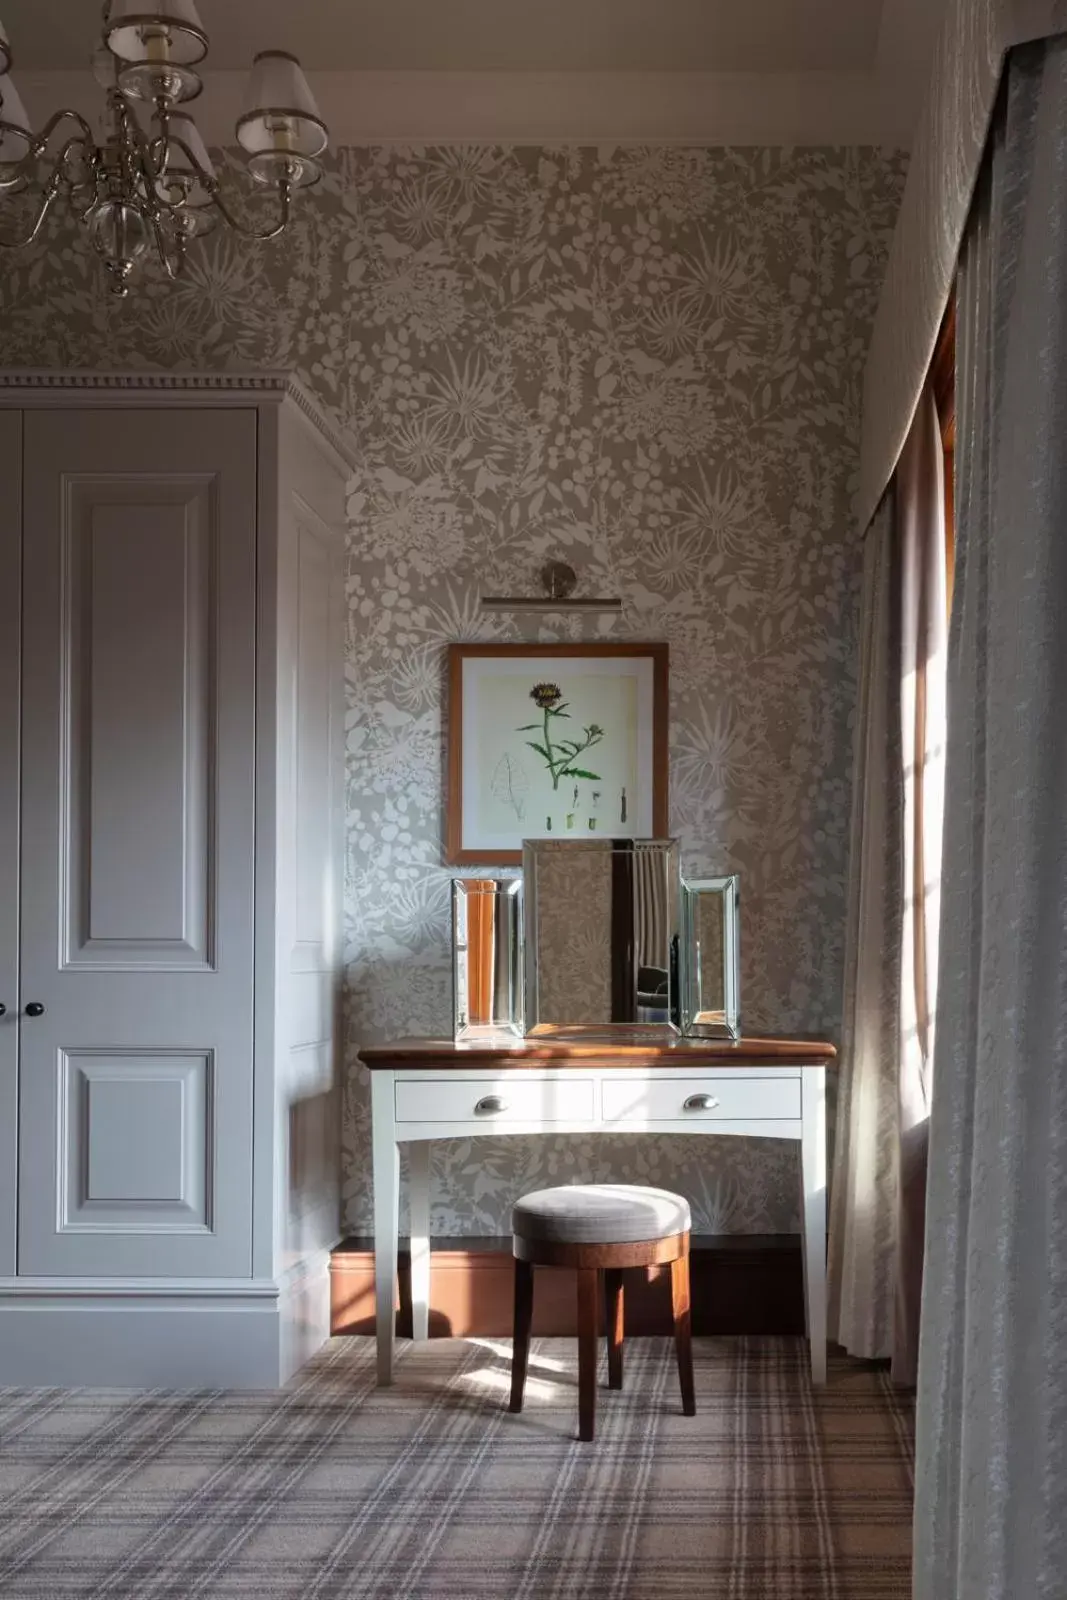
171	1334
746	1283
187	1290
304	1311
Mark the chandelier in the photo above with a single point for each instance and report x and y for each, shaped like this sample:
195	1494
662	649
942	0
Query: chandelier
146	184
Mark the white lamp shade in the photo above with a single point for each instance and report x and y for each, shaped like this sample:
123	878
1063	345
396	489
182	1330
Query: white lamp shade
280	113
105	67
180	184
5	50
174	33
185	129
13	146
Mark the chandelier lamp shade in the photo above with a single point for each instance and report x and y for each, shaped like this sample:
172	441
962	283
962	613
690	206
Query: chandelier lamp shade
146	186
280	126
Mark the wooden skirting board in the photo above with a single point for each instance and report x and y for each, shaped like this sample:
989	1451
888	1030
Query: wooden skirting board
751	1283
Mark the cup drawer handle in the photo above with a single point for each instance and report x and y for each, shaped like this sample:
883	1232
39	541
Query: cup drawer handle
488	1104
700	1102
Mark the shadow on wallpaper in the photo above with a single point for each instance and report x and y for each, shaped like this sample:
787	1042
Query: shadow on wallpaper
647	362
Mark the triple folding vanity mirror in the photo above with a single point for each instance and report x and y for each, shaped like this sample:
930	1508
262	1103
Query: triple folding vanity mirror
598	939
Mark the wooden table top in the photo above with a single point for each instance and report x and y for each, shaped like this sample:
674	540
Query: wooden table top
446	1053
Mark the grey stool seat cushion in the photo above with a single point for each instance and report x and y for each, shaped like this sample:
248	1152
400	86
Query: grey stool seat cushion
600	1213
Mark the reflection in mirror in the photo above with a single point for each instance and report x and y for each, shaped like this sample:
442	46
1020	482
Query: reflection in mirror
602	937
711	964
487	957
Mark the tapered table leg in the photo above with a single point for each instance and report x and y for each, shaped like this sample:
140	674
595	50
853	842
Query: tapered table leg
813	1165
683	1340
616	1313
419	1209
386	1159
588	1319
520	1349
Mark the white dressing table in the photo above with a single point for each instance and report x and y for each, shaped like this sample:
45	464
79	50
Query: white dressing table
426	1089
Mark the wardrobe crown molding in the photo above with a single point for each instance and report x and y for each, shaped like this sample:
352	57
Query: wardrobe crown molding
38	387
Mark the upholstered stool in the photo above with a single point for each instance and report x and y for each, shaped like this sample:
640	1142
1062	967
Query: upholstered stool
600	1229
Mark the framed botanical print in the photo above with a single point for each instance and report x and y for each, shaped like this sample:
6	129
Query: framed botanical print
554	741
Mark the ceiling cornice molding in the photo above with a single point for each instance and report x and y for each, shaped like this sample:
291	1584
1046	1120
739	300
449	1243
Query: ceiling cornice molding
695	108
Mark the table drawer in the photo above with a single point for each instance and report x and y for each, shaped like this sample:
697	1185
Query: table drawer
744	1099
489	1100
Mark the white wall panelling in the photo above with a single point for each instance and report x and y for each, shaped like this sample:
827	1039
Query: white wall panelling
140	601
137	1142
309	823
10	588
180	800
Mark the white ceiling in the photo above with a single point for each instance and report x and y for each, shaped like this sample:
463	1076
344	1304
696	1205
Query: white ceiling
708	70
499	35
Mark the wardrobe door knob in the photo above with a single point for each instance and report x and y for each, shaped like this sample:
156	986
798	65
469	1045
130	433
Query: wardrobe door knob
35	1009
3	1009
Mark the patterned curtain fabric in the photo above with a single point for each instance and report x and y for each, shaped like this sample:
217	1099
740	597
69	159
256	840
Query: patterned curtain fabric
991	1483
879	1188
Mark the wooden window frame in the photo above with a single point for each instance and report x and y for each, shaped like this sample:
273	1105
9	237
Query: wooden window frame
943	382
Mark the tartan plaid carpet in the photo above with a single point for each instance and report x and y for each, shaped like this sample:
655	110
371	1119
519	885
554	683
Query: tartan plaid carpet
334	1490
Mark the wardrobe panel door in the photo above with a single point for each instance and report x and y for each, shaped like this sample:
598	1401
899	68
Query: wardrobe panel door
137	842
10	556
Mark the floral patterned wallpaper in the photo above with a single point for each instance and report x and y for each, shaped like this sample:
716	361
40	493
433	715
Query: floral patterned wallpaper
646	362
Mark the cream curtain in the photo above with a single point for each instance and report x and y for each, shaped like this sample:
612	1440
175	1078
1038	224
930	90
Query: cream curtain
863	1192
879	1182
991	1473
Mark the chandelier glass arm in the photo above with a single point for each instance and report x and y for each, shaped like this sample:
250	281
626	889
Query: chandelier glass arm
39	141
285	191
213	187
36	147
170	250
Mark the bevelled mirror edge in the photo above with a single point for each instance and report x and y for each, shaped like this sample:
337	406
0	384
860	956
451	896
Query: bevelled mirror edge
711	984
487	959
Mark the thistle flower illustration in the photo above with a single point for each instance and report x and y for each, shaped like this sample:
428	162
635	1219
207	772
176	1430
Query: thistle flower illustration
559	755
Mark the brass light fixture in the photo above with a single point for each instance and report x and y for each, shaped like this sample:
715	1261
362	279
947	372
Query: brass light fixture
559	581
141	190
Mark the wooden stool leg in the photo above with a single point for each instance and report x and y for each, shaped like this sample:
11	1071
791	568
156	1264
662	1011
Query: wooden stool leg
520	1352
588	1306
613	1285
683	1340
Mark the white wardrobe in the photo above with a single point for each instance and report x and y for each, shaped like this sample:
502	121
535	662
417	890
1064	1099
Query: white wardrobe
171	766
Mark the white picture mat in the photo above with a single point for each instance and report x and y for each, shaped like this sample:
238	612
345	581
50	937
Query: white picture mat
617	692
